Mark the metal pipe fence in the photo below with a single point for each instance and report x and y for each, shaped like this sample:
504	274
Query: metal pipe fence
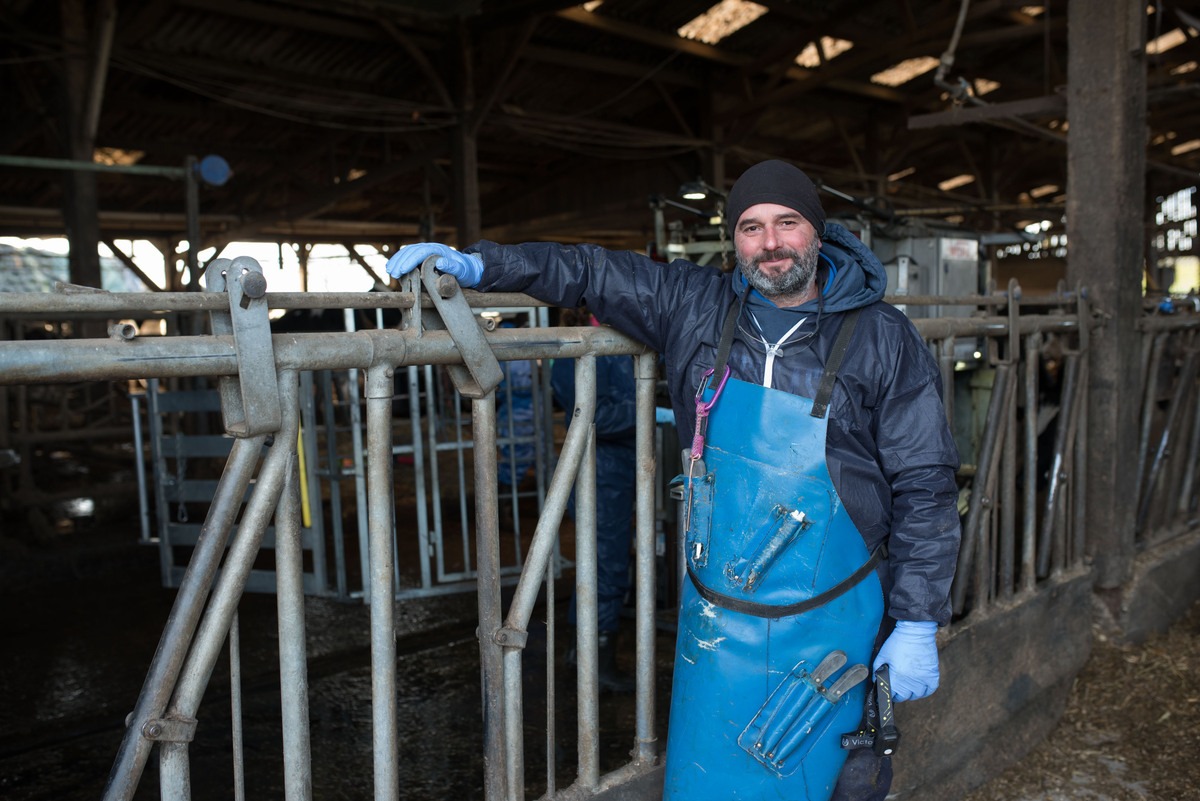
1169	439
1018	410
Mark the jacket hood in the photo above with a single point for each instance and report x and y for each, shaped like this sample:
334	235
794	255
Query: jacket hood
857	277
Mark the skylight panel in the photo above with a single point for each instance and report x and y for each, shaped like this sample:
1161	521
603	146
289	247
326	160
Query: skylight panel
1169	40
905	71
983	86
832	48
723	19
1185	147
955	182
901	174
116	157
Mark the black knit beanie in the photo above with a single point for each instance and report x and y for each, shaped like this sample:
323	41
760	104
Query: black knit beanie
775	181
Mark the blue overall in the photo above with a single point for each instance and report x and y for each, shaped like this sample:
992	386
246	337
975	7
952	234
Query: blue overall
752	715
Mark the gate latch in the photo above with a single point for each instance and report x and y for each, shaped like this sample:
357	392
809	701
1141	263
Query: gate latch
250	402
480	372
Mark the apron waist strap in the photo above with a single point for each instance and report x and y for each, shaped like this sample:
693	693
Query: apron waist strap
757	609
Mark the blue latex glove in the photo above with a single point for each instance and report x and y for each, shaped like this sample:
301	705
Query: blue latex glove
662	415
466	267
911	652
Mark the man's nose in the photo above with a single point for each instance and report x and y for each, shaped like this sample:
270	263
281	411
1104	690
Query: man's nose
770	238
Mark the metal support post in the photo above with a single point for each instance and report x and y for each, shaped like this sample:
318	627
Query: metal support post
293	670
491	653
381	525
587	664
645	576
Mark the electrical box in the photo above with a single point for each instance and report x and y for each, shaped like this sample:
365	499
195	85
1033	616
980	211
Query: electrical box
935	266
931	265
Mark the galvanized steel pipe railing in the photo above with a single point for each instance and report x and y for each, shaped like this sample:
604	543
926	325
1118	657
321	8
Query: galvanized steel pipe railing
384	715
1162	478
72	301
1169	437
645	577
972	550
293	664
44	361
214	628
994	563
511	637
184	617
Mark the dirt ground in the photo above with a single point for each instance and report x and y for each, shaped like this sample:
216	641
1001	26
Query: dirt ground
1131	731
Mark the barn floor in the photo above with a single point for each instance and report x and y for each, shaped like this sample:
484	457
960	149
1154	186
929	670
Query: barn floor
1131	731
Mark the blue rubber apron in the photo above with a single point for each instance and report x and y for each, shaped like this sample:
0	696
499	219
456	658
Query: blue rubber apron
778	621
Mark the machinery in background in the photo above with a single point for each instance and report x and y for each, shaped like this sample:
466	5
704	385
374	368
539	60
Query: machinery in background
926	262
700	237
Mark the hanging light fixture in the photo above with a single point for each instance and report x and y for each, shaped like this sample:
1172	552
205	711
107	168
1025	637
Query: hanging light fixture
699	189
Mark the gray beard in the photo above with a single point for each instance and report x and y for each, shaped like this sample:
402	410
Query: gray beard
799	279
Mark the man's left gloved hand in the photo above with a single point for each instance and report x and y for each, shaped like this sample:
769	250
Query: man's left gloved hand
911	652
466	267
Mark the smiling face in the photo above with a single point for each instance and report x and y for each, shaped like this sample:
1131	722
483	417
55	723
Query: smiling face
777	252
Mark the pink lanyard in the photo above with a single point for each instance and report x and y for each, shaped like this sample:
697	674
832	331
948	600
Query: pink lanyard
702	410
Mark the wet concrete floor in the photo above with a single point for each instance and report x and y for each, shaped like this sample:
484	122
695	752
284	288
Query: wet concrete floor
81	623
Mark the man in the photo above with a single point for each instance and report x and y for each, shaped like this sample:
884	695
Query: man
820	485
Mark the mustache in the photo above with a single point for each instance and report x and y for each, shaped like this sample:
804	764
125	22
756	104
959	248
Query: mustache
775	255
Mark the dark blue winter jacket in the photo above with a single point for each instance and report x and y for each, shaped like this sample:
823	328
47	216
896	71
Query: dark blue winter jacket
889	447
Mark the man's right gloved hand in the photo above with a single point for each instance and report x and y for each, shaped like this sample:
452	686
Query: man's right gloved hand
911	652
466	267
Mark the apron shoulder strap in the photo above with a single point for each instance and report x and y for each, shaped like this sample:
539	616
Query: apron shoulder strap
726	341
840	346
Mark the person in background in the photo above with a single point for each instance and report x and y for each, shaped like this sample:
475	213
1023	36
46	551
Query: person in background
821	523
616	456
514	423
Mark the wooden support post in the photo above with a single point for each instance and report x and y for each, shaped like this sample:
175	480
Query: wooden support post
84	67
467	216
1106	161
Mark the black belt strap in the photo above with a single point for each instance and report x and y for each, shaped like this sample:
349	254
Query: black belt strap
757	609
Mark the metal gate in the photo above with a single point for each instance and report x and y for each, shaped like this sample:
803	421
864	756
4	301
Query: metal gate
431	452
